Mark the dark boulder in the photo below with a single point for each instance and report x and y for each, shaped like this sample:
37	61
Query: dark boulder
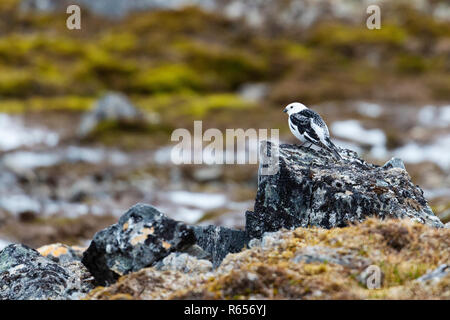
26	275
311	188
219	241
141	237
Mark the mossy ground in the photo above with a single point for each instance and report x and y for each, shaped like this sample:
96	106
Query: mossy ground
202	52
403	250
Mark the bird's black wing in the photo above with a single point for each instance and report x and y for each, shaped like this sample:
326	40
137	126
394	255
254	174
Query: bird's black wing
316	118
303	123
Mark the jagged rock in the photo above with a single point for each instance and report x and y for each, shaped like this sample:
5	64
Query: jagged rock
141	237
111	107
219	241
26	275
394	163
437	274
310	188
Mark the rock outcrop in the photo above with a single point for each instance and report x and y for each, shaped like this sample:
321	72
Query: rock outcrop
310	188
26	275
311	263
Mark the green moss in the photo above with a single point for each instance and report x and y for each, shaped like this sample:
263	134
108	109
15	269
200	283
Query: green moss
340	35
297	51
407	63
167	78
200	106
119	41
223	67
63	103
192	105
14	82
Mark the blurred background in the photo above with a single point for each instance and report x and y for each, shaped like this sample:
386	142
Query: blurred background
86	115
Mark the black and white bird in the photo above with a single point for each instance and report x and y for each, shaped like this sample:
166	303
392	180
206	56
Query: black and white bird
308	127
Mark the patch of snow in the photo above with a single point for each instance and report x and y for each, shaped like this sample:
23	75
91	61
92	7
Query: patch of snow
205	201
25	160
432	116
30	160
14	134
3	244
438	152
372	110
18	203
188	215
436	193
348	145
354	131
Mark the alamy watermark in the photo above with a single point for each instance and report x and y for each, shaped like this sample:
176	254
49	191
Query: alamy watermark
374	20
73	22
372	277
235	146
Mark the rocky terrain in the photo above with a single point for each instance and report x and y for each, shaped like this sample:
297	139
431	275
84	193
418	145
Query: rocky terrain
89	196
294	245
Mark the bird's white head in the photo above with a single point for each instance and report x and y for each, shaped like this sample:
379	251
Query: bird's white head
294	107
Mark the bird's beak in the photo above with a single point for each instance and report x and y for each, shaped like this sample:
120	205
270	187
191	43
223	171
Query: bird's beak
285	110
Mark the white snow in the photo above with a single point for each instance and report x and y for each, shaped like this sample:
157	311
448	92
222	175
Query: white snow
432	116
3	244
368	109
14	134
354	131
22	160
17	203
438	152
205	201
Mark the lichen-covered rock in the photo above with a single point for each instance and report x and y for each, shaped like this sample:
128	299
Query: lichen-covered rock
219	241
26	275
310	263
61	253
141	237
311	188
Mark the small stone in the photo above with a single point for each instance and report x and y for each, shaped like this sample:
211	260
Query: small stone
185	263
111	107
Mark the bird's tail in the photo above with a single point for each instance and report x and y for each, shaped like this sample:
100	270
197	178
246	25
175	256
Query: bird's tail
333	149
